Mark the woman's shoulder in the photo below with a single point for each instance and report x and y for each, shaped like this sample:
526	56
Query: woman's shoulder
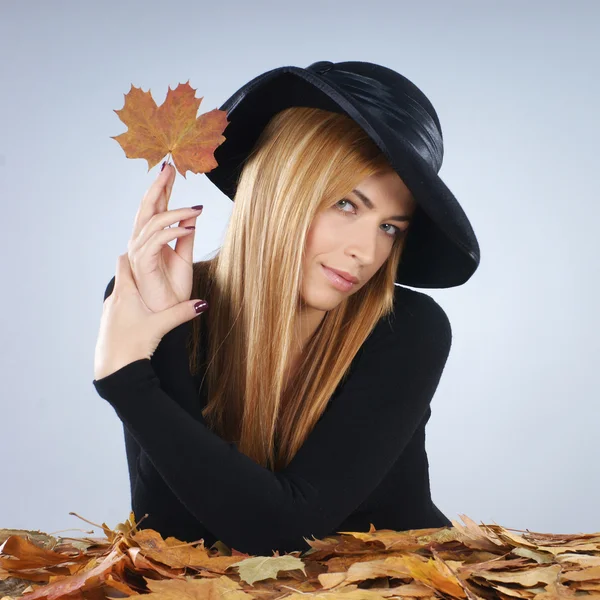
409	303
416	316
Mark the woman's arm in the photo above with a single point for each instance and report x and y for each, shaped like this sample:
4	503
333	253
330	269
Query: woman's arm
170	353
344	458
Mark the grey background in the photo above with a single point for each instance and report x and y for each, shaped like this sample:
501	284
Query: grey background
513	435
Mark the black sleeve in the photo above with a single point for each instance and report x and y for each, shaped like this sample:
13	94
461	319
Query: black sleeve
172	346
344	458
132	448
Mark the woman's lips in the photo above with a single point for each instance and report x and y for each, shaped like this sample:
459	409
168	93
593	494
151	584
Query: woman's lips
337	280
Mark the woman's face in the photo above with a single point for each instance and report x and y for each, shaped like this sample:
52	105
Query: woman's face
351	237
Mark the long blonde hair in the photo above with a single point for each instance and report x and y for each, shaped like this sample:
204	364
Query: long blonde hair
305	160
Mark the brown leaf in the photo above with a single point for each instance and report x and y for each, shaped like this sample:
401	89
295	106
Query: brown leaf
155	131
92	576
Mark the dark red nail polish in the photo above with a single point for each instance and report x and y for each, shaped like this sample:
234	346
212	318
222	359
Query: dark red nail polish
200	306
163	165
189	227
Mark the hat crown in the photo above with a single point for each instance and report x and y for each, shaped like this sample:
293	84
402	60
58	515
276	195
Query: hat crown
389	96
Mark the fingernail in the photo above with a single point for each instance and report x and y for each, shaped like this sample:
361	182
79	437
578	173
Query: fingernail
189	227
197	207
200	306
163	165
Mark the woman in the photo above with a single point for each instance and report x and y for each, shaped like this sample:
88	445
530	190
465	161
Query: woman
297	405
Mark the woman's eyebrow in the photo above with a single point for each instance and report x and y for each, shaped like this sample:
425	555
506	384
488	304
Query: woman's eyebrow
371	206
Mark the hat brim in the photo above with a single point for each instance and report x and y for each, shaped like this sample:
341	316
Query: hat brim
441	249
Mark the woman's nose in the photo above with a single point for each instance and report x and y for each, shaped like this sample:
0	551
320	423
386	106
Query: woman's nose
363	245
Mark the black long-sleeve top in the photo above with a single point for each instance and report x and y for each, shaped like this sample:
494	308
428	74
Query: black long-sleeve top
364	462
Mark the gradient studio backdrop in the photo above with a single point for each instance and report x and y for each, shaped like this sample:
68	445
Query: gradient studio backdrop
513	434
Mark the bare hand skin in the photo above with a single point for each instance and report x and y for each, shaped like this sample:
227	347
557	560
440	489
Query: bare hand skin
153	282
163	275
129	330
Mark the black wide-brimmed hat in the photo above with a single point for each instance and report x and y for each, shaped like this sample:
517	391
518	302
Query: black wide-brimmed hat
441	249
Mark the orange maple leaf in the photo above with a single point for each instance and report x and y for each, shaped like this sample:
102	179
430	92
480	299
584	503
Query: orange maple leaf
154	131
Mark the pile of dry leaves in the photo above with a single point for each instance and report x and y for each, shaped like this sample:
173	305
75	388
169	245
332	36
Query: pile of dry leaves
464	561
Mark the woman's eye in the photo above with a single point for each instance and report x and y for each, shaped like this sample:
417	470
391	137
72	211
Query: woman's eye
398	233
349	202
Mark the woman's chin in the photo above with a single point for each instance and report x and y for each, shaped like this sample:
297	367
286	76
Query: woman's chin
323	299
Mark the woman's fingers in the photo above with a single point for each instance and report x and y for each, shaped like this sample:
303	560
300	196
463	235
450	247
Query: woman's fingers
146	258
166	196
161	220
184	246
155	199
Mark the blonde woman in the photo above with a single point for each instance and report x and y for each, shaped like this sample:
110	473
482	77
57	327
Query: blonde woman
296	405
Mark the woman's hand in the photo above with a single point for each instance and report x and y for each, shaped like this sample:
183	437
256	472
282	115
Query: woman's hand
129	330
163	276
